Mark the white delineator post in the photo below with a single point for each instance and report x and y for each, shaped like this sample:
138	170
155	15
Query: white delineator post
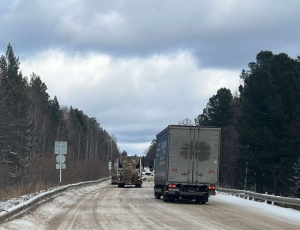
60	169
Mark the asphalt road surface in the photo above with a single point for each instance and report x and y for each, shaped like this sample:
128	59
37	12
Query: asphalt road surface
106	206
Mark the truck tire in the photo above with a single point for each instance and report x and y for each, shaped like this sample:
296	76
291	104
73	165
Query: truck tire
203	202
157	197
165	199
197	201
120	185
138	185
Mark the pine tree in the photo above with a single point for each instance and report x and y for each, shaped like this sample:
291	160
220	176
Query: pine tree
38	91
151	154
14	112
268	129
218	110
39	115
55	110
296	178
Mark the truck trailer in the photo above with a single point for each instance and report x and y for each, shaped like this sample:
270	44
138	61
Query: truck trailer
187	163
114	171
129	171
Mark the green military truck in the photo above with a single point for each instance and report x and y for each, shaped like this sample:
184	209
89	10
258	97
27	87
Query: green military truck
129	171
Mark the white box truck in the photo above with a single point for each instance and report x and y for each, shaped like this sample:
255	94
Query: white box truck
187	163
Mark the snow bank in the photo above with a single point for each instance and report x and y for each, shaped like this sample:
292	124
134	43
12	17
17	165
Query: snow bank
287	214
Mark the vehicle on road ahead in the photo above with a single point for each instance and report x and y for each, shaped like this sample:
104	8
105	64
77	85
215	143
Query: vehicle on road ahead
114	171
187	163
148	176
129	171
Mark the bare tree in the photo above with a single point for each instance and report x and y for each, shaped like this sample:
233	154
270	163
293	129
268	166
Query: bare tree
186	121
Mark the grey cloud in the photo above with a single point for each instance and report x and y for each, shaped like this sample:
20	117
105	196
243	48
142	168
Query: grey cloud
133	99
164	59
220	33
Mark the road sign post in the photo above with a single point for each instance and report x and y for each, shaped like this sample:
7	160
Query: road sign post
61	148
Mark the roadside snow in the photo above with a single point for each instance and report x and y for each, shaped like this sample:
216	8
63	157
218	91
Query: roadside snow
34	220
287	214
38	219
5	205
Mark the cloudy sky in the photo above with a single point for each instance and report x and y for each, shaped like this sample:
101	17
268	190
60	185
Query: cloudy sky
139	66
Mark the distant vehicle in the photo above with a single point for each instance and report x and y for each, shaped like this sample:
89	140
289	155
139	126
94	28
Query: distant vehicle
129	169
187	163
148	176
147	170
114	171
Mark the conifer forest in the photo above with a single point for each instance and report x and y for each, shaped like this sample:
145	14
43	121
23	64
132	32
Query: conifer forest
260	127
260	141
31	122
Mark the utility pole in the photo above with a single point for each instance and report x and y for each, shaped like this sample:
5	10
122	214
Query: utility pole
111	148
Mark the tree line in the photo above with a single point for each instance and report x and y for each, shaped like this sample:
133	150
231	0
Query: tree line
260	139
260	148
31	122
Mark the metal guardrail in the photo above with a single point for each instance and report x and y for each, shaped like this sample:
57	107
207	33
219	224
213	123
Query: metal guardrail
5	215
266	197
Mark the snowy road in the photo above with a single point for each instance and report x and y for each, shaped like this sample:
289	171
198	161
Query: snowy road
105	206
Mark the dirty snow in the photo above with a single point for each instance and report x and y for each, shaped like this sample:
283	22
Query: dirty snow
113	203
44	212
287	214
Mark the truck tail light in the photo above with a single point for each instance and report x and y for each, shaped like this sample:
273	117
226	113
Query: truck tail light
211	187
119	178
172	185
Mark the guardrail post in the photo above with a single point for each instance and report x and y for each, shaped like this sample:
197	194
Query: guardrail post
272	200
266	201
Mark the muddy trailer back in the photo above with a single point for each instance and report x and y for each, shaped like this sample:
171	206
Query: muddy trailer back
187	163
129	171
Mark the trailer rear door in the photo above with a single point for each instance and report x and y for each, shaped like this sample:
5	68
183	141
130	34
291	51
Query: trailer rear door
206	156
180	155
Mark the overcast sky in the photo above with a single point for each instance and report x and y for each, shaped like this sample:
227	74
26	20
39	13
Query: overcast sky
139	66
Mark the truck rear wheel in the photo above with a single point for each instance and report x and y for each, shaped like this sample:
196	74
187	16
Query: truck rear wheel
138	185
120	185
157	197
165	199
